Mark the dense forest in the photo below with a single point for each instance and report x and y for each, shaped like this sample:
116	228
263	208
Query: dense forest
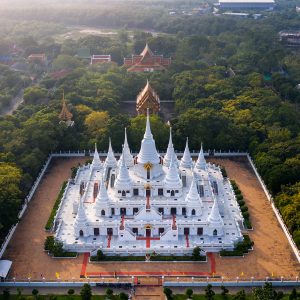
233	82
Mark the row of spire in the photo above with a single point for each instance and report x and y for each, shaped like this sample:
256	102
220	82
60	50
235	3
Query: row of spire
148	153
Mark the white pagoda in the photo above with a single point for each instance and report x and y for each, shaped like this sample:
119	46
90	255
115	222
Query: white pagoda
149	203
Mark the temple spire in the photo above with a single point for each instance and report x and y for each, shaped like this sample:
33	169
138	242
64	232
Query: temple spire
96	163
148	152
126	150
123	180
172	179
186	160
193	195
65	115
102	197
110	160
201	162
170	152
81	215
214	216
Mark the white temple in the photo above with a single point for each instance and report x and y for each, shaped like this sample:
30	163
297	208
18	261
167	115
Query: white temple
148	203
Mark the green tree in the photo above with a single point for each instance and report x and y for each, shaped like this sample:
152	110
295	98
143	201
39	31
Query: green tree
224	292
109	292
168	292
293	295
189	293
240	295
123	296
196	253
86	292
6	294
34	95
35	293
71	292
209	293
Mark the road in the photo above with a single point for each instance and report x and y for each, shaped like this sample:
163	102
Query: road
14	104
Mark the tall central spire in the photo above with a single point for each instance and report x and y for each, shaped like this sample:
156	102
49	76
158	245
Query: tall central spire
148	152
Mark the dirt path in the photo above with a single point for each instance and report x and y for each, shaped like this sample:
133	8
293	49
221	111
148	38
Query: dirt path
272	253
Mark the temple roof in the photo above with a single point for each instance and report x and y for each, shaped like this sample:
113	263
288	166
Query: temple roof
148	152
147	93
186	160
147	51
65	114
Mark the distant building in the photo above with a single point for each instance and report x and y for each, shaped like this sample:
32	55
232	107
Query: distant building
147	61
147	99
65	115
290	38
246	4
99	59
39	57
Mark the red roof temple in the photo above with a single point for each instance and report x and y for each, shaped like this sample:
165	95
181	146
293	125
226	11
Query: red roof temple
147	61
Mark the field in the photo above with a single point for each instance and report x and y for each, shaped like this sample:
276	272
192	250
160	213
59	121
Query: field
272	255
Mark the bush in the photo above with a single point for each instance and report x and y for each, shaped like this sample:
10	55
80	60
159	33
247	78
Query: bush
168	292
49	223
100	255
239	197
71	292
196	253
109	292
55	248
86	292
123	296
240	248
49	243
244	208
247	223
35	293
73	172
245	214
241	203
189	293
224	173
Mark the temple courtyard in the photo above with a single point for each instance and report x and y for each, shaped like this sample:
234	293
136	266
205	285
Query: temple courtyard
272	255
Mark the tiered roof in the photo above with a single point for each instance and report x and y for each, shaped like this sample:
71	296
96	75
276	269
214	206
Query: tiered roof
65	115
147	98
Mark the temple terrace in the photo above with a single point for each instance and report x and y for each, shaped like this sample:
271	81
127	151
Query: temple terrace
149	203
